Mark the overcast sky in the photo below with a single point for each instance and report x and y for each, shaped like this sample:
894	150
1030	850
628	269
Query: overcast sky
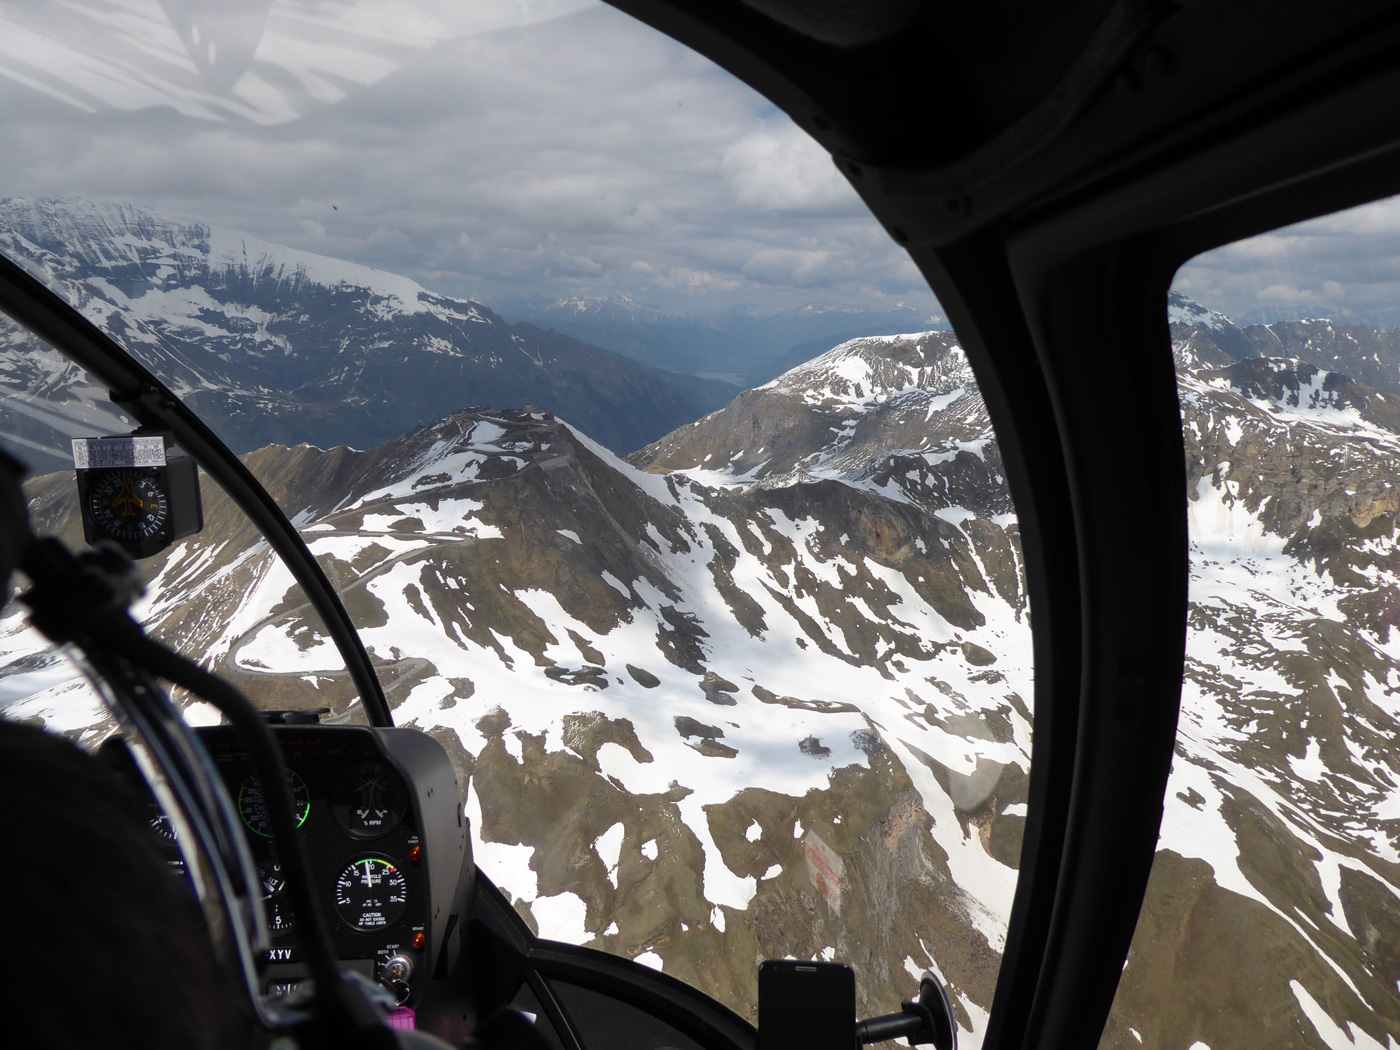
1344	266
488	147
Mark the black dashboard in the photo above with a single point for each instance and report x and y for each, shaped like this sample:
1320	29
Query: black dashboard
380	813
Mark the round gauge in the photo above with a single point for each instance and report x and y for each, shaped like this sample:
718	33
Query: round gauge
369	800
253	808
128	504
279	917
271	877
370	894
161	824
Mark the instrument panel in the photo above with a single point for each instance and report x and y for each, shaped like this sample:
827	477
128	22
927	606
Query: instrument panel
380	813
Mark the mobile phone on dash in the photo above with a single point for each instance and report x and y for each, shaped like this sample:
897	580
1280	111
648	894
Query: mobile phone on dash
806	1005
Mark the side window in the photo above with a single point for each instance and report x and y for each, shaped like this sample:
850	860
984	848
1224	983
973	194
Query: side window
1274	902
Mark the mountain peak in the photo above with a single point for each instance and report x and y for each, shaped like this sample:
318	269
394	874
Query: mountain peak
1182	309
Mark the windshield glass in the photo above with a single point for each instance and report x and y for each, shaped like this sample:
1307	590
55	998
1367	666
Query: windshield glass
1274	902
642	459
221	595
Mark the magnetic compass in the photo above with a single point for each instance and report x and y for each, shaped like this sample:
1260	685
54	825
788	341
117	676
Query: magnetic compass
129	504
134	495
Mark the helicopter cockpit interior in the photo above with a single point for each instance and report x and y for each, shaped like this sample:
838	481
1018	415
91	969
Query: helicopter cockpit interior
361	815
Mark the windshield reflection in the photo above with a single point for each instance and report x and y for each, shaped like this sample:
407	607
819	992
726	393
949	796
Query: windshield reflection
261	61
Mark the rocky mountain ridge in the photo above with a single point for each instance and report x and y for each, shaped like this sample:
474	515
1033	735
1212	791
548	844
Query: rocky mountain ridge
267	342
1205	338
669	697
899	415
801	639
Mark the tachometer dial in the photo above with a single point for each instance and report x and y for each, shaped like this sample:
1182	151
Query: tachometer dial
369	800
253	808
370	894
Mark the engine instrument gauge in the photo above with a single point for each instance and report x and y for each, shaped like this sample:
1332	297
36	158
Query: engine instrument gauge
271	877
279	917
369	800
252	807
161	824
370	894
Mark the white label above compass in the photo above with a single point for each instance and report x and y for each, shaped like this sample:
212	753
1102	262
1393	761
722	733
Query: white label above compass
96	453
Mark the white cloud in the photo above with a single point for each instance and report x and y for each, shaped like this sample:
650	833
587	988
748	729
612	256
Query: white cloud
776	168
1282	293
686	279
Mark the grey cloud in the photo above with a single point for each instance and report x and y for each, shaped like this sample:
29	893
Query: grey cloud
552	158
1344	266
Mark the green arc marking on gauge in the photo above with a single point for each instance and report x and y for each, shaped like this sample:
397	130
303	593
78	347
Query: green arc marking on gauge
252	807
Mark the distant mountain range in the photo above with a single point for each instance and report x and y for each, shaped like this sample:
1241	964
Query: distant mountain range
743	346
268	342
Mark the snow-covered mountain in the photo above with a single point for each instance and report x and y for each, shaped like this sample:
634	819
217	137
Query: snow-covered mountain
797	644
898	415
1202	338
676	702
1273	913
267	342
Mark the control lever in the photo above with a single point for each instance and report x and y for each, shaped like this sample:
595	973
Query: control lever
927	1020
